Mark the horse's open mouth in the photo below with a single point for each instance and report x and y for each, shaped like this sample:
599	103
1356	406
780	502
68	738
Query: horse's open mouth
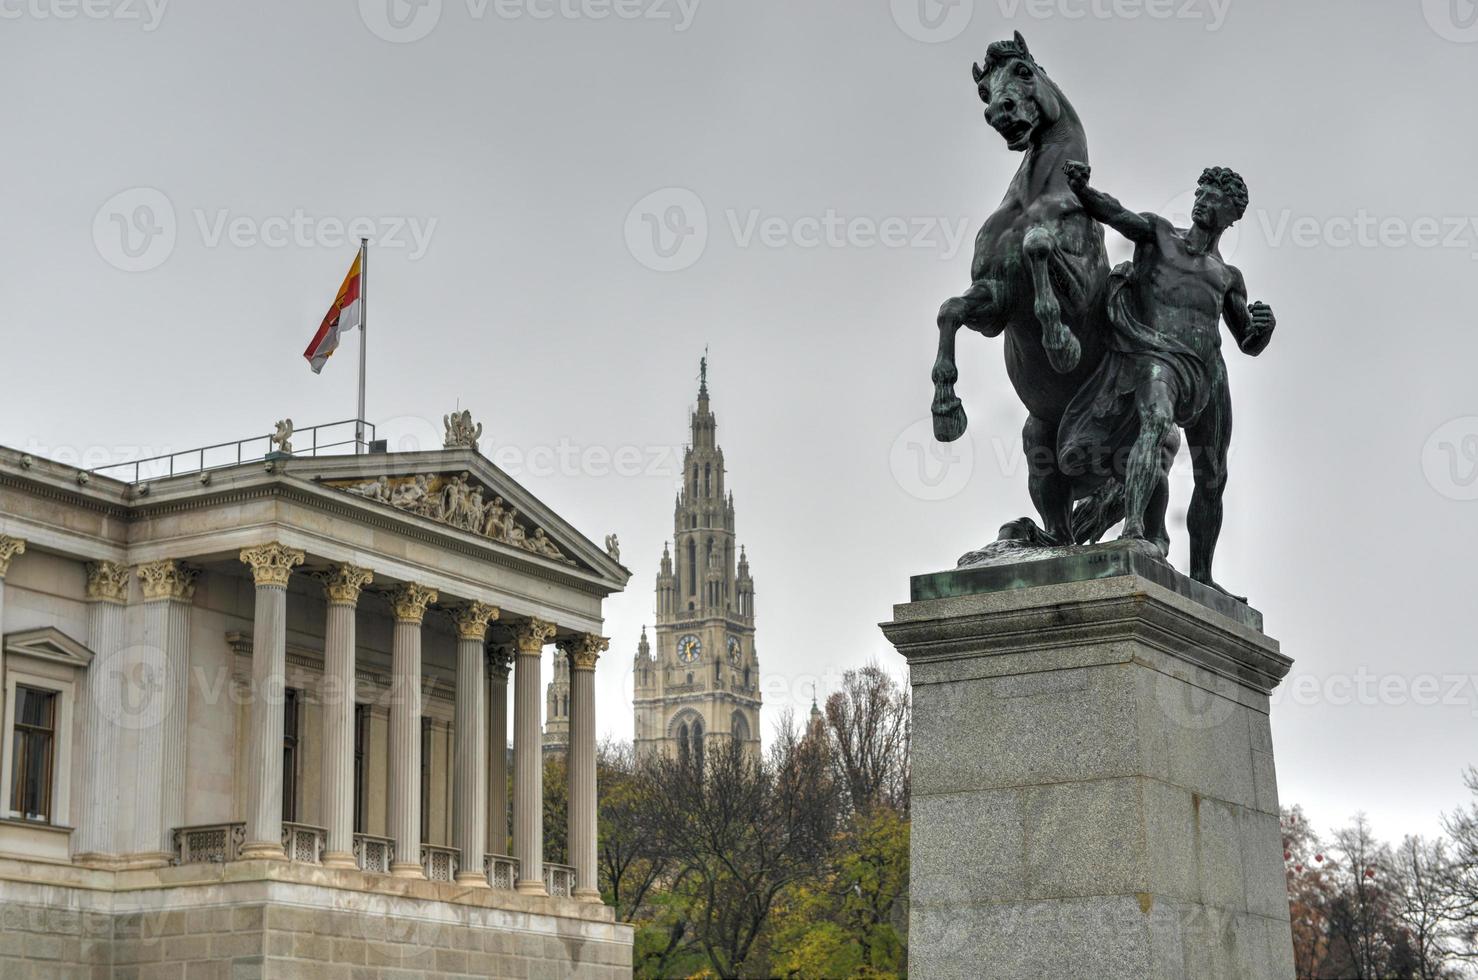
1016	133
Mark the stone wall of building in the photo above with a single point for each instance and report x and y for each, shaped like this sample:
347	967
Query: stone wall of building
256	921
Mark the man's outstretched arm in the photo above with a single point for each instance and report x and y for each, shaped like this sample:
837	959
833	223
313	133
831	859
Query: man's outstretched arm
1104	208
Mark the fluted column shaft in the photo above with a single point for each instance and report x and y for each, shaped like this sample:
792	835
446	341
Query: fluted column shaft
271	566
500	660
159	808
410	602
583	653
107	593
469	790
341	585
9	548
528	769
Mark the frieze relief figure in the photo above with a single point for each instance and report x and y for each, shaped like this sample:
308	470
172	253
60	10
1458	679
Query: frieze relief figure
457	502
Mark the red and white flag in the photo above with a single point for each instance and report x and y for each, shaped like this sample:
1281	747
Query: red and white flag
347	313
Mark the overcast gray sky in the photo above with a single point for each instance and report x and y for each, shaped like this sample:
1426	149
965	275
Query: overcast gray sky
571	198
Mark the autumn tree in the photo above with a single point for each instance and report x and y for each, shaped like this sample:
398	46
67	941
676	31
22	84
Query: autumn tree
741	830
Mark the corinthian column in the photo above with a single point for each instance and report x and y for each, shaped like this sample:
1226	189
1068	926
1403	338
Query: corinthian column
500	660
107	593
271	565
341	586
469	791
409	601
528	769
9	548
582	652
168	587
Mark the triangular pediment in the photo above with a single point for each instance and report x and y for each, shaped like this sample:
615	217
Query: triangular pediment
48	643
463	491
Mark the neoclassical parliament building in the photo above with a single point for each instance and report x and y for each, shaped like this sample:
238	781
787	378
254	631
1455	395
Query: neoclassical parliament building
255	716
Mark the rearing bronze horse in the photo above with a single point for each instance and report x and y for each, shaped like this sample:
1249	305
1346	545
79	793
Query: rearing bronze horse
1039	275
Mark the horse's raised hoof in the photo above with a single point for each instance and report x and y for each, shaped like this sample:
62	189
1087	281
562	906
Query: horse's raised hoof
949	419
1064	357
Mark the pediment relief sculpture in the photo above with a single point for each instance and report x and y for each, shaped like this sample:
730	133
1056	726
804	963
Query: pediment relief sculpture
458	502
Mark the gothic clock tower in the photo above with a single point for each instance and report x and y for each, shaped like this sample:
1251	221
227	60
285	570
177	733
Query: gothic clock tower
700	684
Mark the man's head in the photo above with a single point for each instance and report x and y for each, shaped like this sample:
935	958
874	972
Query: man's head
1221	198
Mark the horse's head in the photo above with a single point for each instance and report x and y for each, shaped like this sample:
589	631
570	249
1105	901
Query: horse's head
1021	102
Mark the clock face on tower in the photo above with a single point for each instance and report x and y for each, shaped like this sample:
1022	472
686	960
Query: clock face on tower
735	650
689	648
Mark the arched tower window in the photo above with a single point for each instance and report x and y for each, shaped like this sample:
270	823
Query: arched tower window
707	479
692	567
739	726
697	739
682	743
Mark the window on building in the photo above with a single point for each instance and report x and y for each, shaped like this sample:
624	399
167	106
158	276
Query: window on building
290	718
425	780
361	759
682	743
32	752
697	739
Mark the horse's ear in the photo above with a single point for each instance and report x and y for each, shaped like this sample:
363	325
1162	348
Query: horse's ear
1021	43
978	72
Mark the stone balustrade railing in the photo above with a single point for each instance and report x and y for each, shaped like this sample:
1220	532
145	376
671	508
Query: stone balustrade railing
439	863
215	843
303	843
373	854
501	871
559	880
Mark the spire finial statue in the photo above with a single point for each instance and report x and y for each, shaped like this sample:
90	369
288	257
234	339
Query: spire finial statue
703	373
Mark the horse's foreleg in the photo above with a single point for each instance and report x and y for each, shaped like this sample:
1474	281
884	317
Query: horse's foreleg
1063	349
949	412
972	308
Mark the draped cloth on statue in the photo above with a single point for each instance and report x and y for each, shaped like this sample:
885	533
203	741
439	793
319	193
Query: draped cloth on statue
1102	421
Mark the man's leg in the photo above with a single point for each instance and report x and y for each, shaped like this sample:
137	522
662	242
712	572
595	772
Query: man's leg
1050	491
1144	470
1209	438
1154	517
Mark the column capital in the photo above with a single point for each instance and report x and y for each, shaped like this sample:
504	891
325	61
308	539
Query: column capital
272	563
500	660
107	581
584	650
410	600
9	548
531	635
166	579
343	583
472	620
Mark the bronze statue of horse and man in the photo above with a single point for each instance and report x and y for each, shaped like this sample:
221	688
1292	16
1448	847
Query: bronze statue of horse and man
1110	365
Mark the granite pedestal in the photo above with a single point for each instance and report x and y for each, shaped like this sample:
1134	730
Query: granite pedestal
1093	783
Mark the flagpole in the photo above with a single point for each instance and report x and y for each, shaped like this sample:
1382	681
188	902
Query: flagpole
359	444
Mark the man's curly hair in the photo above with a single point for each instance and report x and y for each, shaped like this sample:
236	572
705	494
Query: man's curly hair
1230	183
